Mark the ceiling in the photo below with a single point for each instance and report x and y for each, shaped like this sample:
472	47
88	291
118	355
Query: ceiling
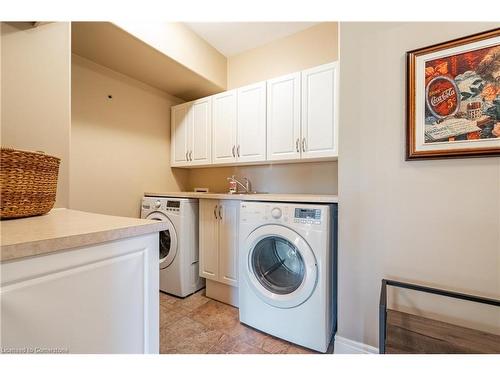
232	38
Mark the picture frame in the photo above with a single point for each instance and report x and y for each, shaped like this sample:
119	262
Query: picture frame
453	98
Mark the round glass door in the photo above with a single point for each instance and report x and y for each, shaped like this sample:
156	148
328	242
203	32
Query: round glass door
278	265
281	267
168	240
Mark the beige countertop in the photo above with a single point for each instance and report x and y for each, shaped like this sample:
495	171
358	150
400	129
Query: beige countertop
300	198
63	229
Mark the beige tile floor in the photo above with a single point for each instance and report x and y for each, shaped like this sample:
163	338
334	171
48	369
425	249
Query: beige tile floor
197	324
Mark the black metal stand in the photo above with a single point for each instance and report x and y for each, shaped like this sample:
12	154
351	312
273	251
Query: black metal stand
420	288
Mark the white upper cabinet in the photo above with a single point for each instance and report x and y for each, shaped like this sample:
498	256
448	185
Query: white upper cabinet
319	112
224	125
200	152
251	120
180	124
191	133
283	117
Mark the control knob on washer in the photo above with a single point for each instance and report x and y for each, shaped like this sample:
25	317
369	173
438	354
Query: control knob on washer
276	213
157	204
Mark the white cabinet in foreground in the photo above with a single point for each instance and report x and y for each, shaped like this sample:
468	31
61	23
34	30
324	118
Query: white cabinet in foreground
96	299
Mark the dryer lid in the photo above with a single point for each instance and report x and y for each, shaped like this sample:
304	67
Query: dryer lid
280	266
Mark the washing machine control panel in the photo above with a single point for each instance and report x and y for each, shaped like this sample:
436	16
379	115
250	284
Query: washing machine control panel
173	206
260	212
161	204
307	216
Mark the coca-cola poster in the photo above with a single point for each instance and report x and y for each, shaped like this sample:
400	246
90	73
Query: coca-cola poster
453	98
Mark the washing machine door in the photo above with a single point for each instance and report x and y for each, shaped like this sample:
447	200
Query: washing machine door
168	240
280	266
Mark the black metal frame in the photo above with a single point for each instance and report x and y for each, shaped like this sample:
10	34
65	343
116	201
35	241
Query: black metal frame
420	288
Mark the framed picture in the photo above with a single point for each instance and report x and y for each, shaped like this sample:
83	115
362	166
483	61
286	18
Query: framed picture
453	98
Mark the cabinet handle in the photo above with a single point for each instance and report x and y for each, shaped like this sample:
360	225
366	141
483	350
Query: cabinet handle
304	144
238	150
297	145
220	214
233	151
187	159
215	212
191	155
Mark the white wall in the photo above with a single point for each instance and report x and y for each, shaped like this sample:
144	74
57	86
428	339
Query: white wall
305	49
120	147
35	94
433	222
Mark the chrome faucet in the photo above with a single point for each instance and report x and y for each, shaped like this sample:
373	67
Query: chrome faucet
246	186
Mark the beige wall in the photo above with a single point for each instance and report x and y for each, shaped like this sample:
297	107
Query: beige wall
310	47
35	93
433	222
306	178
179	42
120	148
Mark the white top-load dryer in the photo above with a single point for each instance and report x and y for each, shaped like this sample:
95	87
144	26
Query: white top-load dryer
288	271
179	253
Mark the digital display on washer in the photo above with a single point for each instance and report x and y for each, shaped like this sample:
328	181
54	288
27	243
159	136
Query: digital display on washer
307	213
173	204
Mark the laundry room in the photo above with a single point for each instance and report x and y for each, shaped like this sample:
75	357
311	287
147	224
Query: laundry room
295	187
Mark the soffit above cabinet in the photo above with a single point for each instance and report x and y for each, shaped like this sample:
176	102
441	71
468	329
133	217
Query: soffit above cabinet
111	46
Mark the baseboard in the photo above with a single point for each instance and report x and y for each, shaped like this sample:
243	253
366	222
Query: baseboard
346	346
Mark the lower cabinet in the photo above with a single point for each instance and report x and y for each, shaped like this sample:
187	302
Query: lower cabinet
96	299
219	240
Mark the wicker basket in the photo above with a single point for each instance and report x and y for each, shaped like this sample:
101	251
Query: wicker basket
28	182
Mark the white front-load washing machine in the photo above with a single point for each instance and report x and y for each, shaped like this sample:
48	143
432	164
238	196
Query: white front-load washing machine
287	265
179	253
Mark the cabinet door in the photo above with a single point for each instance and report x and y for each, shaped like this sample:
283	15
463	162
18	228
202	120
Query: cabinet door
209	238
283	117
251	132
228	243
97	299
180	134
319	112
224	127
200	151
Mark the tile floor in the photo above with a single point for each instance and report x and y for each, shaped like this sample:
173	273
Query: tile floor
197	324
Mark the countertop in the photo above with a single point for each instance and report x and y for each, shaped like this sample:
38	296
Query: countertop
300	198
63	229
